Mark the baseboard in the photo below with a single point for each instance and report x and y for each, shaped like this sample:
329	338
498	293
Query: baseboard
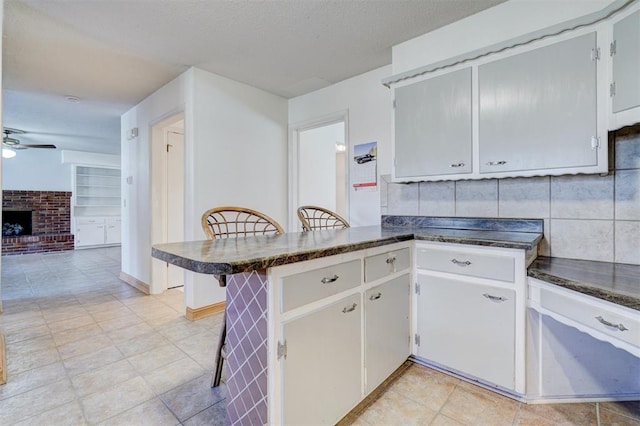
3	361
134	282
204	311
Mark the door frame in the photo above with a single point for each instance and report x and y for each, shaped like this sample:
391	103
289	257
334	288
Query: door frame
294	149
158	216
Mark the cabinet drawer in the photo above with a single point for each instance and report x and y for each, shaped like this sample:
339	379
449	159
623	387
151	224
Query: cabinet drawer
384	264
499	268
307	287
90	220
598	317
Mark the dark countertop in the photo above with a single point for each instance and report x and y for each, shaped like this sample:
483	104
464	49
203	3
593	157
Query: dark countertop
230	256
615	282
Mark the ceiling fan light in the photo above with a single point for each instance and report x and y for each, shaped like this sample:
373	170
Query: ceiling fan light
8	153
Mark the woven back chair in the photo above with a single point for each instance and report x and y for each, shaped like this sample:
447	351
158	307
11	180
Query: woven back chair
234	222
314	218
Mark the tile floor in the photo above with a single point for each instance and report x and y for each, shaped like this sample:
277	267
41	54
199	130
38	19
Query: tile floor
85	348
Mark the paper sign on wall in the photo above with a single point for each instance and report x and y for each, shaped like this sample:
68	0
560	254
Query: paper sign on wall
364	173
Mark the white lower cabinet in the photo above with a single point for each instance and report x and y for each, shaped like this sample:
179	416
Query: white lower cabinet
323	362
336	335
470	305
468	327
97	231
386	329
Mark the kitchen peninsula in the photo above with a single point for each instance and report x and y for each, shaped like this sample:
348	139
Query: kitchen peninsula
344	309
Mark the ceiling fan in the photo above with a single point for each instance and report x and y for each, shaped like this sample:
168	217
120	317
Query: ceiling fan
10	144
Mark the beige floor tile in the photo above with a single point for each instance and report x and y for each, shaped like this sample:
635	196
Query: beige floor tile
135	330
197	395
11	327
31	345
611	418
122	321
35	402
627	408
69	336
395	409
579	414
32	379
103	405
92	360
69	414
102	378
150	413
108	310
429	387
84	346
173	375
474	405
156	358
142	343
71	323
23	362
181	329
526	418
19	318
216	415
63	313
27	334
442	420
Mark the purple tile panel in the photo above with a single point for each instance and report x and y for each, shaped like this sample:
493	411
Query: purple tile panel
246	361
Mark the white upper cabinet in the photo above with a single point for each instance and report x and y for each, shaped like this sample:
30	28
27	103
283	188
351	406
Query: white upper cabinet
625	70
433	126
537	109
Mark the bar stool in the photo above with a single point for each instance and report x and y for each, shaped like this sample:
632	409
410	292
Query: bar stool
315	218
234	222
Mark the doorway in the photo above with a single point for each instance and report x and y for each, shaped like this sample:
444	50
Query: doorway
168	149
320	173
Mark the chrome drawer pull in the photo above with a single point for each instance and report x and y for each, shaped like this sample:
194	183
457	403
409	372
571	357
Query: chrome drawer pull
496	163
457	165
391	259
460	263
375	296
350	308
620	326
327	280
495	298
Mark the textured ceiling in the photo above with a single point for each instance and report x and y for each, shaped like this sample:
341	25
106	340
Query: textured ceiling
112	54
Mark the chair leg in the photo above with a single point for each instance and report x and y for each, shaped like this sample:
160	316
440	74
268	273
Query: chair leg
217	376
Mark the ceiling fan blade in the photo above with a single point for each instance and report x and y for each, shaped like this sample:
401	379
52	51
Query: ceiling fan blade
46	146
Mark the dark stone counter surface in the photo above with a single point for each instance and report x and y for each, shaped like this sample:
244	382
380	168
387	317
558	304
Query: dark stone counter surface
615	282
230	256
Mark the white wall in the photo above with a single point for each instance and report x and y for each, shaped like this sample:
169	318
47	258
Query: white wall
235	154
369	106
502	22
36	170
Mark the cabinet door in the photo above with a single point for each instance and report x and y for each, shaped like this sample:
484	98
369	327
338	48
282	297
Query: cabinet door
433	126
538	108
386	329
468	327
321	374
113	233
626	63
89	234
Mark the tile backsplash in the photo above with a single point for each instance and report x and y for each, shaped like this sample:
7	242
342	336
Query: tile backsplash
587	217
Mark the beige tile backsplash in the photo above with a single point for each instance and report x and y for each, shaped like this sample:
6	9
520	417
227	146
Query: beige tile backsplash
587	217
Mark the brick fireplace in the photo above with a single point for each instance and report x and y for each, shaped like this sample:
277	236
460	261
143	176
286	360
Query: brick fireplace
50	222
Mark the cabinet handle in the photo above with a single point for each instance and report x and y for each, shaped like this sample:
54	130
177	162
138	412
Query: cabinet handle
391	259
327	280
460	263
350	308
495	298
620	326
456	165
496	163
375	296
